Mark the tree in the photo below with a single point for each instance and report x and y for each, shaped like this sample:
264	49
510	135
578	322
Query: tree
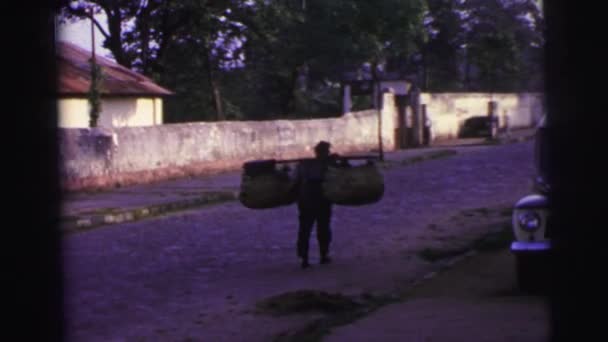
258	59
481	45
142	34
504	40
299	52
441	50
138	32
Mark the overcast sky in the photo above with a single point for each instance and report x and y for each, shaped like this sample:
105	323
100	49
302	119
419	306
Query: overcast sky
79	33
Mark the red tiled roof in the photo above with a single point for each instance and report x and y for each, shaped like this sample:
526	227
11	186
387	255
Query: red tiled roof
74	75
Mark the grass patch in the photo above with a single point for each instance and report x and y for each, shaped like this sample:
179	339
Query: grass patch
429	156
507	212
303	301
412	160
490	141
477	211
101	211
484	211
435	254
489	242
442	154
386	164
494	241
314	331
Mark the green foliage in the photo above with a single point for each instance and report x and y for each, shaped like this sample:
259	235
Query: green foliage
504	44
263	59
94	95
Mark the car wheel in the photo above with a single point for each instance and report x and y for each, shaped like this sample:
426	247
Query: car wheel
532	273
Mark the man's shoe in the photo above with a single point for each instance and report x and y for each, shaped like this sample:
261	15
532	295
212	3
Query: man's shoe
305	264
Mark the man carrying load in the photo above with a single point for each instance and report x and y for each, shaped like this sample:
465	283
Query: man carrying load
319	183
313	206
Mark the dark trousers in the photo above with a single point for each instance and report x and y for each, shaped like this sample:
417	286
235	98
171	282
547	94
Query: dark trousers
309	215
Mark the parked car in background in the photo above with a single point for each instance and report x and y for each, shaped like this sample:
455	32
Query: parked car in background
532	242
476	127
481	126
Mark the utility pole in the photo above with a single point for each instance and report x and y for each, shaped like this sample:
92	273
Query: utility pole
94	91
378	99
92	35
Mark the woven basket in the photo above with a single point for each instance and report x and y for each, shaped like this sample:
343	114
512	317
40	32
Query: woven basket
354	186
267	190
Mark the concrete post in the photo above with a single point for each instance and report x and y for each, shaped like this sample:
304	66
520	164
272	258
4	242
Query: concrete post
346	99
493	118
417	120
426	123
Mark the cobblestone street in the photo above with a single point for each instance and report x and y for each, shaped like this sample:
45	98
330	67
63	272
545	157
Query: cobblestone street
196	275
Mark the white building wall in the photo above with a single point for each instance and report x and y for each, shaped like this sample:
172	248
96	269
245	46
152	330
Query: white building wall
115	112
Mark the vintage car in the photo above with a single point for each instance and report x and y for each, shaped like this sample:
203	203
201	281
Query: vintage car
532	239
476	127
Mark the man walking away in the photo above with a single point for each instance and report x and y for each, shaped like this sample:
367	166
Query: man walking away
313	206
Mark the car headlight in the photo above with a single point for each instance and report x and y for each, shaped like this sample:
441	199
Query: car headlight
529	221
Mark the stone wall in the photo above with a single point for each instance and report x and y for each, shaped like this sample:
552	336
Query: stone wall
101	158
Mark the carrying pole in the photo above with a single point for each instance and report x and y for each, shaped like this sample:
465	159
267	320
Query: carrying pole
354	157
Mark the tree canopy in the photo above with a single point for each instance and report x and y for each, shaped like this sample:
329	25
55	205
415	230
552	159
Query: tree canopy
259	59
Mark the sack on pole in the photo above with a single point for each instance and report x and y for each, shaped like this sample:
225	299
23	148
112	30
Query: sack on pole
355	185
264	187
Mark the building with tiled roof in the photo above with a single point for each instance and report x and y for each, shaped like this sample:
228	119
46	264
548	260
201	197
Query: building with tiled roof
128	98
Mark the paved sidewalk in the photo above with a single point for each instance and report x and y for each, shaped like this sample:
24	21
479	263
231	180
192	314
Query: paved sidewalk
85	210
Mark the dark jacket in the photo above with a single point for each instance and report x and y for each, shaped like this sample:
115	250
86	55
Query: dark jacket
310	175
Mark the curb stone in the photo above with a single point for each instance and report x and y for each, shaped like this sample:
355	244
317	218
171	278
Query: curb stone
87	221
